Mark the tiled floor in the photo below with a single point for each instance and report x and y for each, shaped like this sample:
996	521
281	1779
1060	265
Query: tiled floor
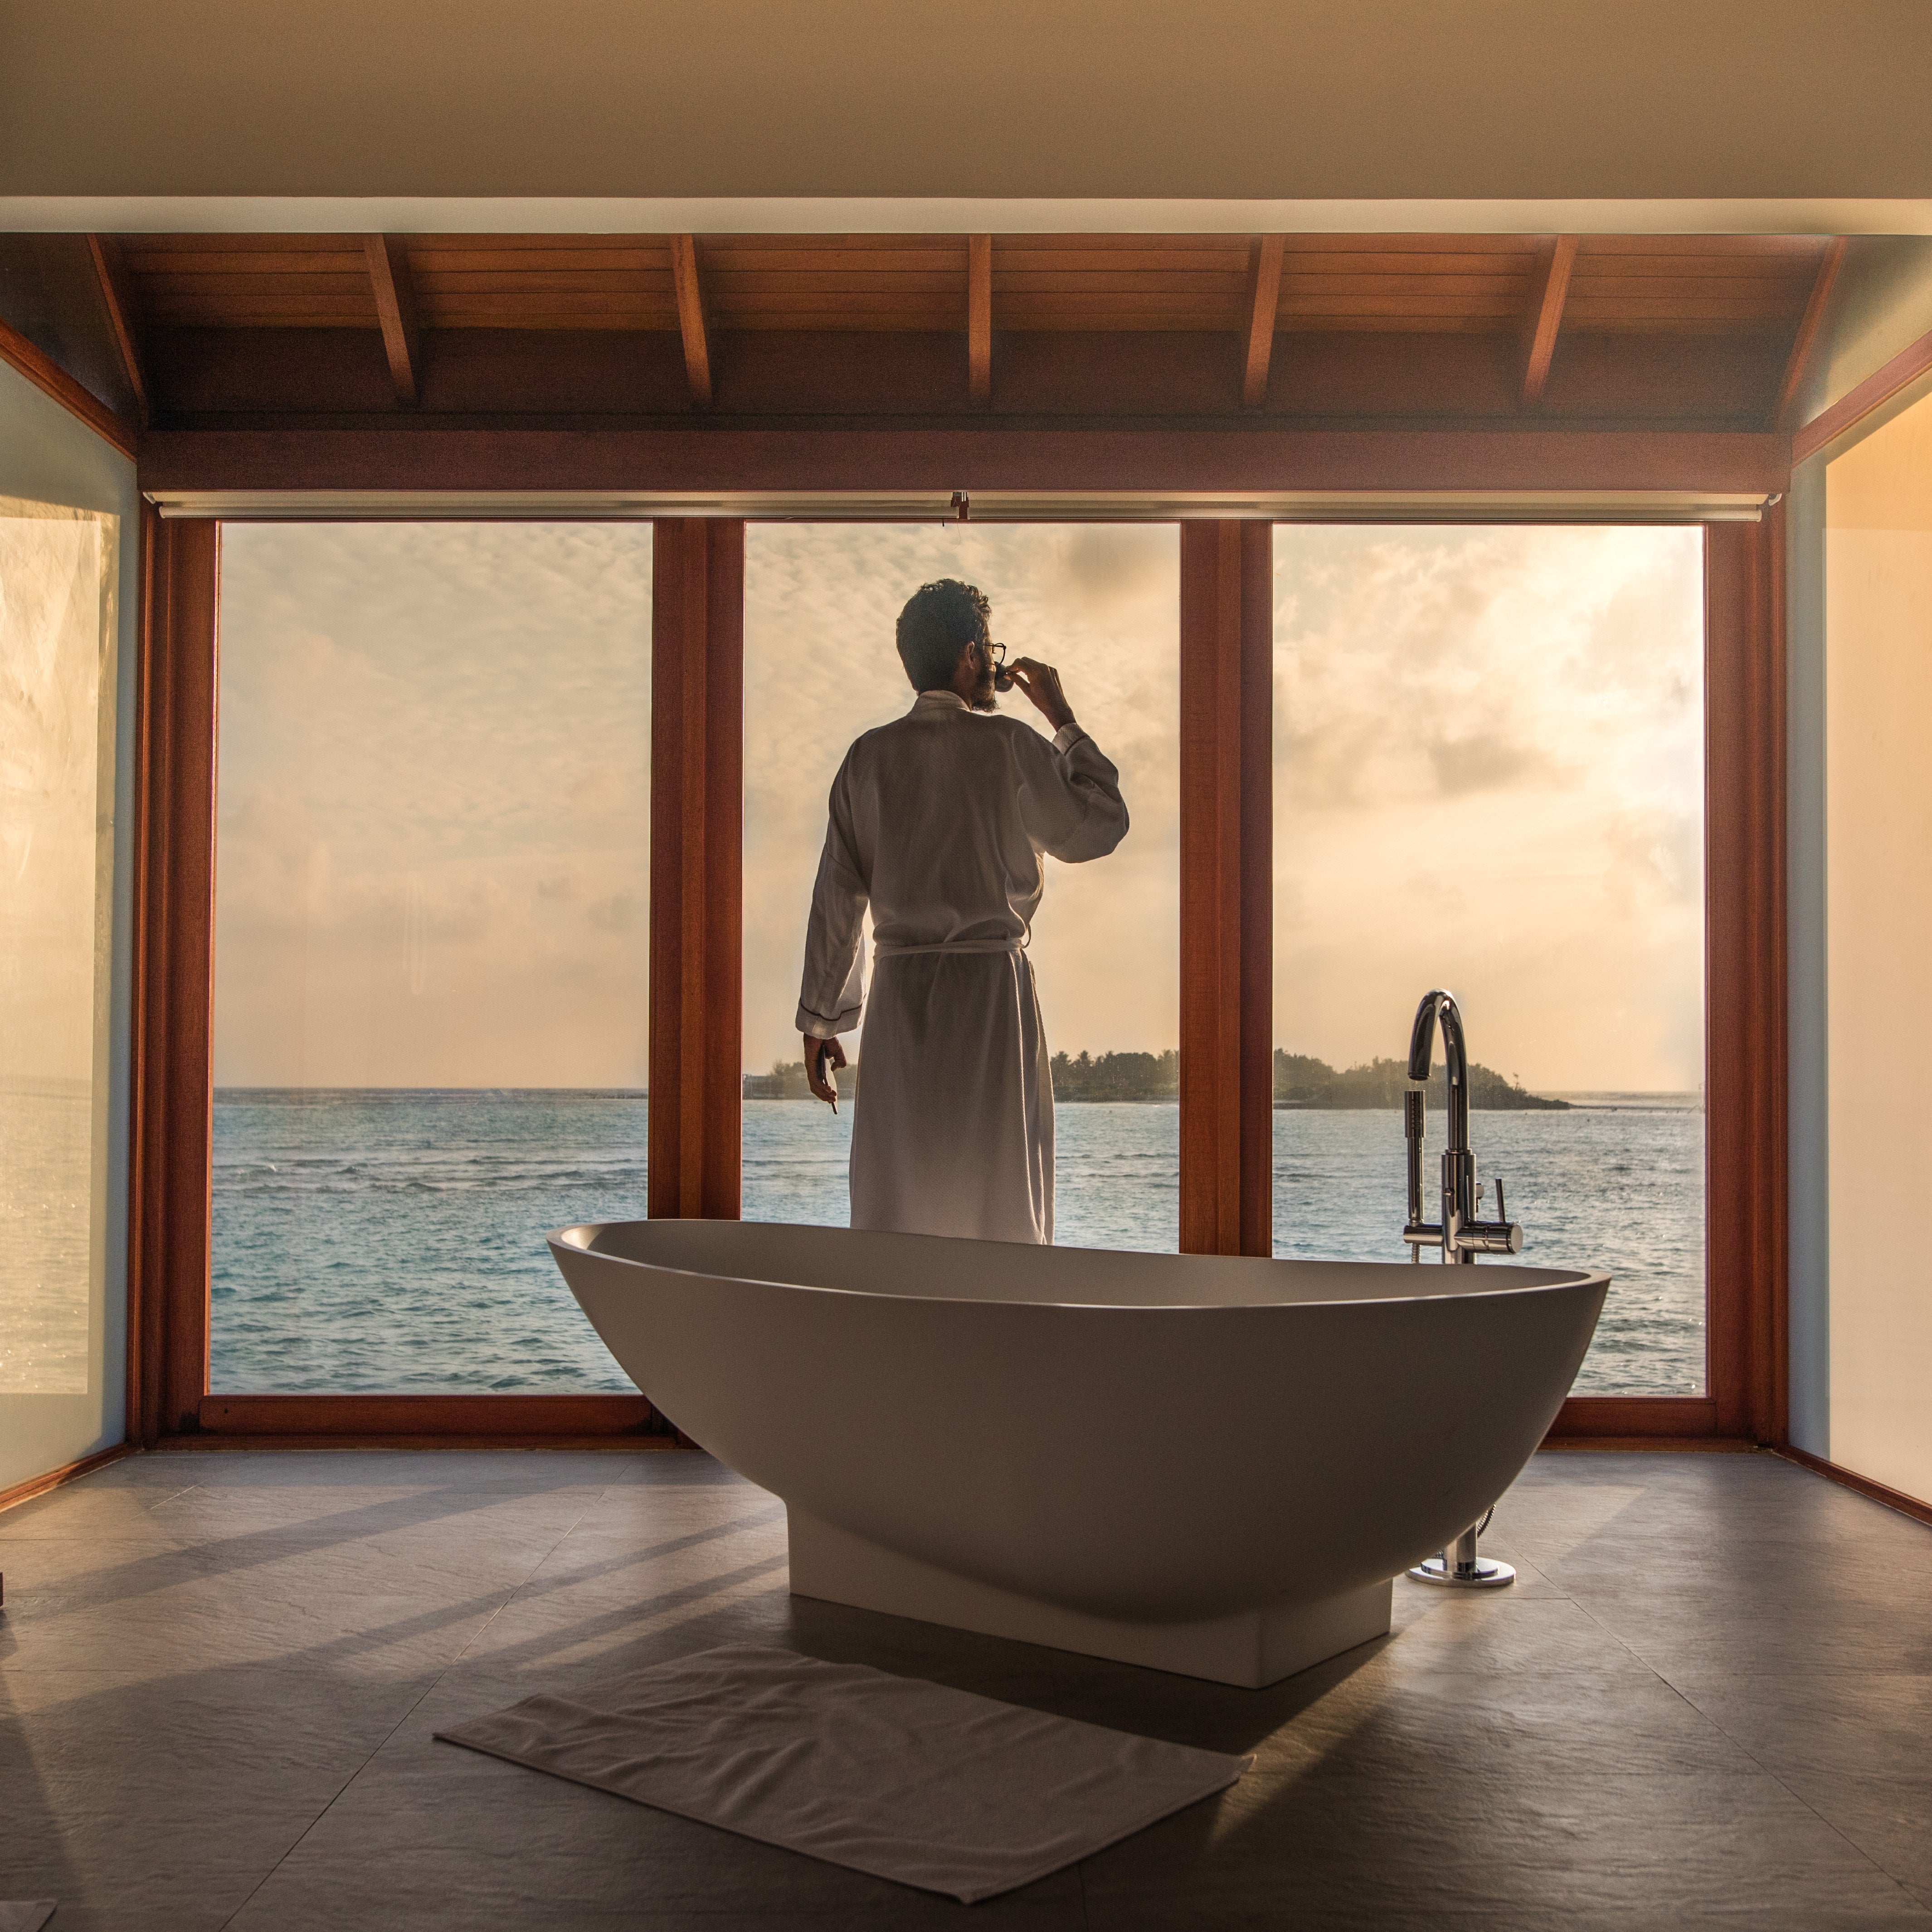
1708	1703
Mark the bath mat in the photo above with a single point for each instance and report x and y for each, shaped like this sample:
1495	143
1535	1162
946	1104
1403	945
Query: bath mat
908	1780
25	1915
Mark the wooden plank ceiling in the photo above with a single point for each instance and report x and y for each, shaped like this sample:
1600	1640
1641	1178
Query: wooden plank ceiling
1534	298
1085	282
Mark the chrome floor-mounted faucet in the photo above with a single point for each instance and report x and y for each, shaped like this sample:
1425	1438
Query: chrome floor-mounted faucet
1462	1233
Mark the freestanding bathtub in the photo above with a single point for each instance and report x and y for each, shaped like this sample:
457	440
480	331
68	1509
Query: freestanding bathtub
1207	1465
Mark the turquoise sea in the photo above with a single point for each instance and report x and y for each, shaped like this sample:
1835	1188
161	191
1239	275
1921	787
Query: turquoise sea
386	1239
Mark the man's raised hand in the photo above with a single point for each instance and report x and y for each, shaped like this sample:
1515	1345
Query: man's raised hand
1041	682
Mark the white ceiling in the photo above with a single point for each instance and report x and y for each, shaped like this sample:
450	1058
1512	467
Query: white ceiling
671	115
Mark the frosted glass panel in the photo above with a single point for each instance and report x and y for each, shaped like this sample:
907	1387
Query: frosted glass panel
431	893
57	631
1102	604
1878	817
1489	776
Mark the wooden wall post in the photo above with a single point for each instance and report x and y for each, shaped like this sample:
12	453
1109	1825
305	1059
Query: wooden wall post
173	1111
1746	1149
1227	1086
697	998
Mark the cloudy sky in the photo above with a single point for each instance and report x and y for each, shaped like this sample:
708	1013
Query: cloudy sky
1489	774
433	831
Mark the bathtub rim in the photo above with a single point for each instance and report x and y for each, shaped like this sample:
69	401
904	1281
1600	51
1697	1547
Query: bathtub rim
1558	1278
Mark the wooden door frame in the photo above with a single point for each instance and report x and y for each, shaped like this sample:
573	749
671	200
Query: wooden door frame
171	1116
696	990
1747	1143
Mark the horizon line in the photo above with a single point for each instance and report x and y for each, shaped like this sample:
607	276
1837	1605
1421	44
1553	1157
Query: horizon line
643	1093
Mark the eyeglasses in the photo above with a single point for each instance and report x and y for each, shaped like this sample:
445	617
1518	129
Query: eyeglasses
996	653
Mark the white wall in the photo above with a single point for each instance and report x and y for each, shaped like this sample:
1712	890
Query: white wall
1878	848
1883	303
47	457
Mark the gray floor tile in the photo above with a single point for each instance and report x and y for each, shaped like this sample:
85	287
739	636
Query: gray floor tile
191	1620
164	1797
1836	1723
1657	1912
436	1834
1889	1818
129	1512
1498	1841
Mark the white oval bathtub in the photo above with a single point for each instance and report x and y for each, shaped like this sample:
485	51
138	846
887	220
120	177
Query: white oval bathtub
1206	1464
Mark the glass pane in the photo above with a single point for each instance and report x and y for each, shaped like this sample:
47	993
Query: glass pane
432	885
1488	777
1101	604
57	633
1878	805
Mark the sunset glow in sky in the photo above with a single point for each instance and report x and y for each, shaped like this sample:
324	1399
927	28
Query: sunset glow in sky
434	821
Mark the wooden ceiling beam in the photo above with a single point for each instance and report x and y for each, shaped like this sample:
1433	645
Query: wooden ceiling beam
395	297
1264	307
690	318
110	268
703	459
1549	290
980	320
1804	343
50	378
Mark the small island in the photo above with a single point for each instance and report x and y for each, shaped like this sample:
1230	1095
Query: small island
787	1082
1300	1081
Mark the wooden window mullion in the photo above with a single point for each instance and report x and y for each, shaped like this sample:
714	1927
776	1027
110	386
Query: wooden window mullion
696	867
1227	1119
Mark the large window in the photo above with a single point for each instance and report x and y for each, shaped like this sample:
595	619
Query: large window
431	916
1878	813
1489	773
1101	604
58	618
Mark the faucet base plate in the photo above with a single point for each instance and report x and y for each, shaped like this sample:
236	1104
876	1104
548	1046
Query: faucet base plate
1487	1575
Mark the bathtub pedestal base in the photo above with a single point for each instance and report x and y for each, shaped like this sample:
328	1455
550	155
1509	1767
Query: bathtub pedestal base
1251	1648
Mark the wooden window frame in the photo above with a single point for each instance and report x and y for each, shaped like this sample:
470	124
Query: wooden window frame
1226	1127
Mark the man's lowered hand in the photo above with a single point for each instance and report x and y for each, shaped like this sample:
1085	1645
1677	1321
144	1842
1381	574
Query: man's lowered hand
818	1078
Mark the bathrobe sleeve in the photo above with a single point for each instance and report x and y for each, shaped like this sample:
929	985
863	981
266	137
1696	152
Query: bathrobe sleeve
1070	795
834	986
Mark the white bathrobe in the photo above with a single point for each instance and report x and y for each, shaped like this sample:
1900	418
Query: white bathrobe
937	822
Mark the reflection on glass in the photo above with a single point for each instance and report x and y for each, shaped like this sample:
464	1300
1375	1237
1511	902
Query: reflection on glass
57	631
1489	776
1101	603
432	883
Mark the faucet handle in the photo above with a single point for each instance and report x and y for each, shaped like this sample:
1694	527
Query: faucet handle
1512	1233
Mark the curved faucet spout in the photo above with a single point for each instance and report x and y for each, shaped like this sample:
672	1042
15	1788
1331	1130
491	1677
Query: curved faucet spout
1462	1231
1440	1007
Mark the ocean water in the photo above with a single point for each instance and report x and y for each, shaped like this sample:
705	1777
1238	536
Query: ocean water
394	1240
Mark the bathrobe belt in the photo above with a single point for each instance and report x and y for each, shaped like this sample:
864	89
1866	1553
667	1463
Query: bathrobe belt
951	946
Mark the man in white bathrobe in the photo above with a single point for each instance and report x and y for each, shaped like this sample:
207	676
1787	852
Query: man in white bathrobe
938	821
